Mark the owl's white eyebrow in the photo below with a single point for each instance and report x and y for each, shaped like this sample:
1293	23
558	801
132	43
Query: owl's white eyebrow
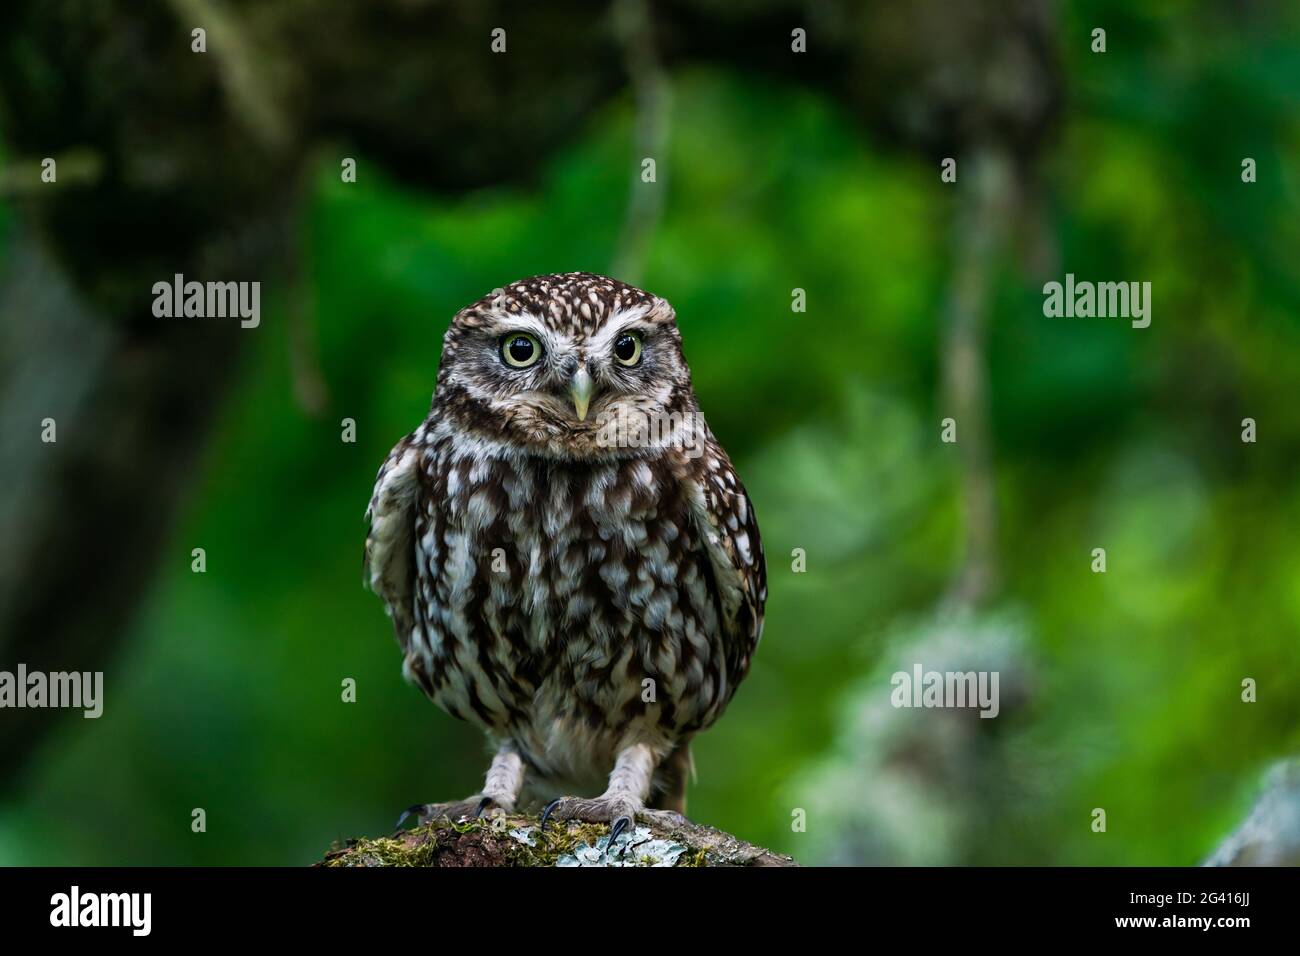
616	326
503	323
629	317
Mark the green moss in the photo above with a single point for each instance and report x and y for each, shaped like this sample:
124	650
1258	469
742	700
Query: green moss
386	852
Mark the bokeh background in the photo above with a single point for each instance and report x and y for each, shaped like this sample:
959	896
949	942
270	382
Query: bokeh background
776	171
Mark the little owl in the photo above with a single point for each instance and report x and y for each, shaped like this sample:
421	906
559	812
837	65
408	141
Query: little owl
568	557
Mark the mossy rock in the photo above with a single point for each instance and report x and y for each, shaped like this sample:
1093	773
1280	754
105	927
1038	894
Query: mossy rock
515	840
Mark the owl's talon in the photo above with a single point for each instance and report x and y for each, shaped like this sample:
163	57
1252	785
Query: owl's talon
615	831
406	815
546	814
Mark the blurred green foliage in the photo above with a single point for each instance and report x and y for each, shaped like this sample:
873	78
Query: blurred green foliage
228	697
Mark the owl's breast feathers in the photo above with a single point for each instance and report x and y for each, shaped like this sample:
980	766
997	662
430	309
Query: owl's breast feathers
539	597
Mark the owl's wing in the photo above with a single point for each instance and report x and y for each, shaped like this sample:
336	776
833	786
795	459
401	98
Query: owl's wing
390	554
725	519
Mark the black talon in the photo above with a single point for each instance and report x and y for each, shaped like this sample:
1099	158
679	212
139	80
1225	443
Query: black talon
482	805
546	814
621	824
413	808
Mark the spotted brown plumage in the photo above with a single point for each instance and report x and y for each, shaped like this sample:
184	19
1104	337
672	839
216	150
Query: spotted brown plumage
569	559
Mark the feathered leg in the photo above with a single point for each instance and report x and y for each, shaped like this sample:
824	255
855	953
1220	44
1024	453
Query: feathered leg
668	789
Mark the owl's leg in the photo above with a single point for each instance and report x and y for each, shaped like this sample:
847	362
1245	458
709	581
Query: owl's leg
501	789
668	788
623	800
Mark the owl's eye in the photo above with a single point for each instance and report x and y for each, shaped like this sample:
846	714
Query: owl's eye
520	350
627	348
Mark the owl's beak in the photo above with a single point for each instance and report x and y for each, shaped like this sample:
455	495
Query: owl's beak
580	390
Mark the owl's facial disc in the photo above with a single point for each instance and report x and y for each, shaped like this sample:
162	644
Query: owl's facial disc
575	392
572	370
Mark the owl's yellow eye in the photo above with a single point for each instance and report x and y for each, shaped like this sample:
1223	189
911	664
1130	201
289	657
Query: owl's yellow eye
627	348
520	350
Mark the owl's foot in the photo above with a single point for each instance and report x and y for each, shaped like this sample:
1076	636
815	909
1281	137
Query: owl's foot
610	808
620	811
468	809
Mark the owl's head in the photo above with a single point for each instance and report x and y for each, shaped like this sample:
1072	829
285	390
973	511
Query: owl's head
567	366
